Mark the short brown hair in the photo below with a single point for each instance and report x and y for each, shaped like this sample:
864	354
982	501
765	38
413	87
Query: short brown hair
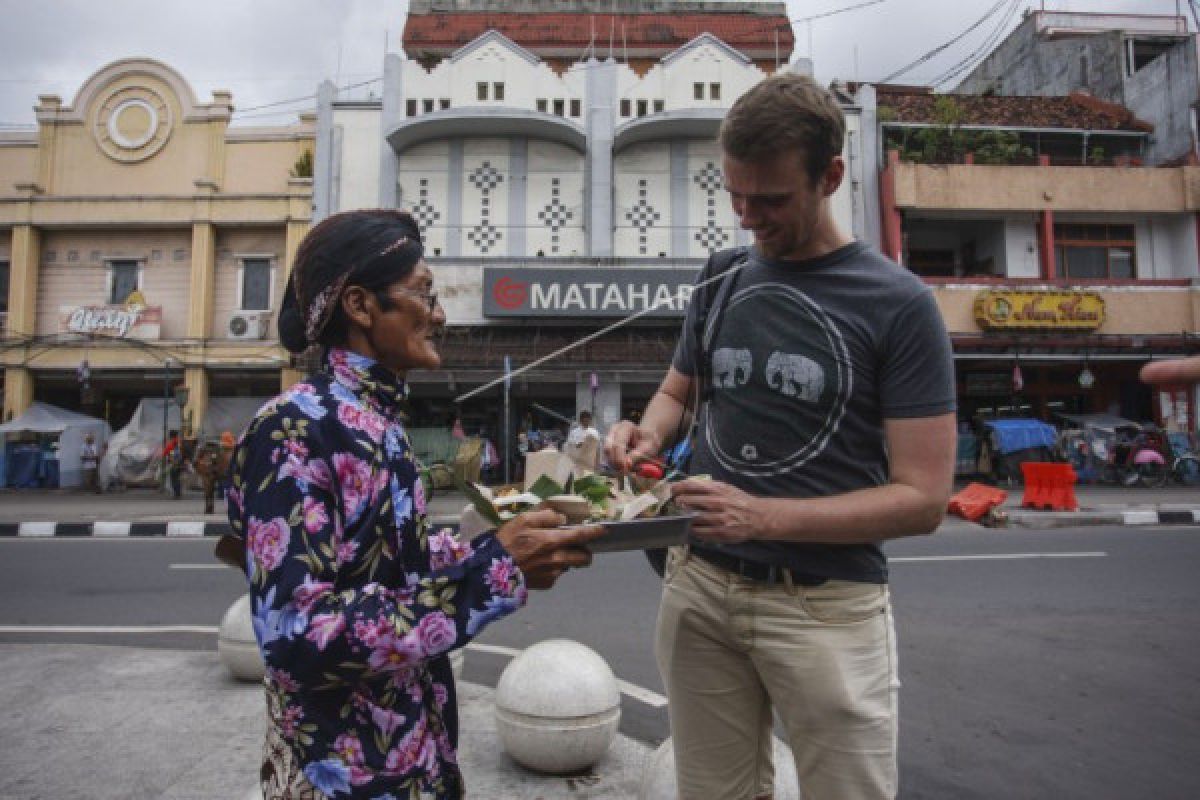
785	112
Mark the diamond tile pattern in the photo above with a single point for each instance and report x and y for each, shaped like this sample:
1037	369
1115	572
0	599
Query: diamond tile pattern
711	237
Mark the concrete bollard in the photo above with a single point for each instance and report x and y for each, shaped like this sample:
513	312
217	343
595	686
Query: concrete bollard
658	776
236	645
457	658
557	707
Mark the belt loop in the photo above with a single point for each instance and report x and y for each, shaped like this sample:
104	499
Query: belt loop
788	584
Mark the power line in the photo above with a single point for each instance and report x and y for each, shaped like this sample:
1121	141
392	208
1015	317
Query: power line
945	45
304	99
981	52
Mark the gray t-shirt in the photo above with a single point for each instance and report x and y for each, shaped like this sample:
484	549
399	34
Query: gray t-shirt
808	361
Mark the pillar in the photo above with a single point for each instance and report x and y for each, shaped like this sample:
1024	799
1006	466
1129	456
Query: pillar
893	233
1046	244
196	381
1046	234
22	313
601	82
203	278
391	115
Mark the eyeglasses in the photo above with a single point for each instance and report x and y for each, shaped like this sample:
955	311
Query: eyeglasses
430	298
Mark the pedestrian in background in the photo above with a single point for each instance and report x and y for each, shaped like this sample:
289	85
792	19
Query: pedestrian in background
823	377
173	461
89	461
356	600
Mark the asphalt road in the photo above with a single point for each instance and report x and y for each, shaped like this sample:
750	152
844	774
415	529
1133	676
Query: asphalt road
1035	664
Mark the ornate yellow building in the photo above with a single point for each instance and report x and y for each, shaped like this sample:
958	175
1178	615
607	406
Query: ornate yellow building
146	245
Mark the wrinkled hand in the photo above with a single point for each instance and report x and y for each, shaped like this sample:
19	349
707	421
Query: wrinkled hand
724	513
543	551
627	443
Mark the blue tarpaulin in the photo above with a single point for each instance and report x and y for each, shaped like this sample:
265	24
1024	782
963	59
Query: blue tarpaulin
1011	435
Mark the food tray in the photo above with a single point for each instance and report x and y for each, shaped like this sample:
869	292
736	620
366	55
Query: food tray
641	534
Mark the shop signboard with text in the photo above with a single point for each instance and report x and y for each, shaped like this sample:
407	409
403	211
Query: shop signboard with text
117	321
526	292
1039	310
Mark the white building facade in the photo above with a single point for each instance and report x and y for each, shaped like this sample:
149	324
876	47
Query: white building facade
558	194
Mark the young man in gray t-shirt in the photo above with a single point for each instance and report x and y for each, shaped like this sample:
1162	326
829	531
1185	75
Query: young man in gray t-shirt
825	384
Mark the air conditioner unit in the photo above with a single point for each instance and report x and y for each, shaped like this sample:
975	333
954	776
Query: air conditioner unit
249	324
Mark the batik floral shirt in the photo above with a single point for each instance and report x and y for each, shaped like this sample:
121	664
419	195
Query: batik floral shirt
355	601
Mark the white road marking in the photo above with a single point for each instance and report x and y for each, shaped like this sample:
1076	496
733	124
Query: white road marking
38	529
639	693
1140	517
101	528
997	557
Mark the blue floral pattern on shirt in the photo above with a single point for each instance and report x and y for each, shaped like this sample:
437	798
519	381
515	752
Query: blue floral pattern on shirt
355	601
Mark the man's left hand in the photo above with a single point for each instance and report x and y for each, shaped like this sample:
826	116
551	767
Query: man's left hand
724	513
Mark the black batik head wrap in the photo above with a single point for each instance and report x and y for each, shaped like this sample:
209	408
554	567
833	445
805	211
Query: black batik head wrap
369	248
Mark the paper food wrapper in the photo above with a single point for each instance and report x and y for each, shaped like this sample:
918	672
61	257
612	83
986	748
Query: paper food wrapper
556	466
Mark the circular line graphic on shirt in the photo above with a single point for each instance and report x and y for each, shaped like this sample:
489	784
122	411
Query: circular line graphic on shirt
797	375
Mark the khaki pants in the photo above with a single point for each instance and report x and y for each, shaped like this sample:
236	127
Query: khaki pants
823	657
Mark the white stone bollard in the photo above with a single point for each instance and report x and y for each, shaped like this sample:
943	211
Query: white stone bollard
457	657
658	776
236	644
557	707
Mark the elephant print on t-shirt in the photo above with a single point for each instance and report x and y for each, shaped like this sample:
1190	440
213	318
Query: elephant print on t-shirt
795	376
731	367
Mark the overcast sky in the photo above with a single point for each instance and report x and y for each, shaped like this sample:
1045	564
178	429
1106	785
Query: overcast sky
267	51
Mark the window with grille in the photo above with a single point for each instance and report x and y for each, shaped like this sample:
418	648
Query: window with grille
559	106
541	105
410	107
123	281
626	108
497	91
444	103
576	107
697	91
1098	252
428	104
658	106
642	108
256	284
714	91
481	91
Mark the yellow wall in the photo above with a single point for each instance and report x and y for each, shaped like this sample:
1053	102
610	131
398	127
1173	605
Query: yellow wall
135	167
1133	310
18	164
1013	188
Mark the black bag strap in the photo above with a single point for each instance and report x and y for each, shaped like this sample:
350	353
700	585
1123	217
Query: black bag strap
706	336
715	295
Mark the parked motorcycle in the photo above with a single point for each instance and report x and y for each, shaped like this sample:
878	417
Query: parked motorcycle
1137	458
1185	466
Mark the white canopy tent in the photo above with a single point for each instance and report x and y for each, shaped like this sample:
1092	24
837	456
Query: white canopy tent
70	426
133	454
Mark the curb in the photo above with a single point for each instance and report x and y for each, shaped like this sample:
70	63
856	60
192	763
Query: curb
197	529
1018	518
174	529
